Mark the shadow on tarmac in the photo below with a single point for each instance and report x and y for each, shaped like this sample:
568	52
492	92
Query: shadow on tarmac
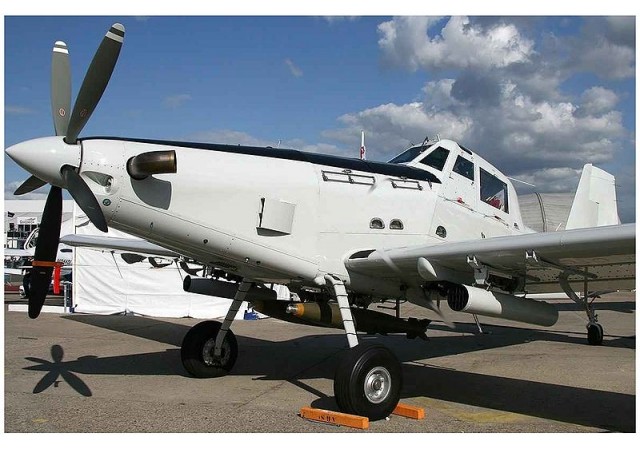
316	356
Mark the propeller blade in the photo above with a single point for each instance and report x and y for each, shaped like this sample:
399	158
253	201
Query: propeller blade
60	88
31	184
95	81
83	195
46	251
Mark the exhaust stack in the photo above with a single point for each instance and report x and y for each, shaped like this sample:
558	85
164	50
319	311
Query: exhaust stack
152	163
463	298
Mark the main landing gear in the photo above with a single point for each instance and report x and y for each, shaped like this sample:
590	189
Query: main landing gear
368	378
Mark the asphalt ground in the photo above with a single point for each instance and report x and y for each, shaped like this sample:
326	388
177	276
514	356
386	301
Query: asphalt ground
123	374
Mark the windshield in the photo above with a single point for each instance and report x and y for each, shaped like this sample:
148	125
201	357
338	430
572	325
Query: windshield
408	155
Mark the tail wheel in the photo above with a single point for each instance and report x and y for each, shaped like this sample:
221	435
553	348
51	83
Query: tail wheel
197	351
595	334
368	381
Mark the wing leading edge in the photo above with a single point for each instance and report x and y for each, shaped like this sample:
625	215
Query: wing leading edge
605	256
117	244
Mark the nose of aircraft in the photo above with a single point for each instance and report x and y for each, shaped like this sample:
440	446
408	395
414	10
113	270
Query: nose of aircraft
45	157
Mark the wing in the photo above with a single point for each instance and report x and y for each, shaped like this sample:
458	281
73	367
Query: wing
10	252
137	246
535	263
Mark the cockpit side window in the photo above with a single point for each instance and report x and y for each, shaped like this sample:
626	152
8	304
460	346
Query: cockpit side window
464	167
436	159
493	191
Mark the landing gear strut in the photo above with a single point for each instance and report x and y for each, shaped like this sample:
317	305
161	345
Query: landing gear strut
368	379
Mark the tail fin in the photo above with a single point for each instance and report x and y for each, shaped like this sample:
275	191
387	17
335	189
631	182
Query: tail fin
595	202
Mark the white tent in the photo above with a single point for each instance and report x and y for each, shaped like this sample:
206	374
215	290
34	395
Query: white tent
104	283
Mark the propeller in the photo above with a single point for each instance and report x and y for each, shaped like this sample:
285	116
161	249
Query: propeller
93	86
46	251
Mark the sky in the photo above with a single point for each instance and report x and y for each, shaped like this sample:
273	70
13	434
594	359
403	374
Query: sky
538	96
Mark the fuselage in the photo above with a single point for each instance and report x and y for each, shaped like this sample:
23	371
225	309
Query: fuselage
287	216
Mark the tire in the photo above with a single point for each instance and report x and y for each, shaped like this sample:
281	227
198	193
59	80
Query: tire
595	334
197	351
368	381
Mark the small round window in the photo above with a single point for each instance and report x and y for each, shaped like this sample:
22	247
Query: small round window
376	223
441	232
396	224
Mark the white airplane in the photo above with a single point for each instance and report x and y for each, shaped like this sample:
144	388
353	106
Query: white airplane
437	222
64	253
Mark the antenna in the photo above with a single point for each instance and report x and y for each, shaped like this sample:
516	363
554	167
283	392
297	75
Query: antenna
518	180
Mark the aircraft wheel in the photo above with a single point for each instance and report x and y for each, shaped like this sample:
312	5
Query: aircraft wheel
197	351
595	334
368	381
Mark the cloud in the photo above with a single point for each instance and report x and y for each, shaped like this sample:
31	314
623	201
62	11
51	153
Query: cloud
394	127
406	41
596	100
38	194
556	180
233	137
175	101
295	71
230	137
337	19
605	46
18	110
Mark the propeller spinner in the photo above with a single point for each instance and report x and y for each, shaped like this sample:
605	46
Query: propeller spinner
55	160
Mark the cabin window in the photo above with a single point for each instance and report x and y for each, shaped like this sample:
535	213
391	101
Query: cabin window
464	167
376	223
493	191
396	224
436	159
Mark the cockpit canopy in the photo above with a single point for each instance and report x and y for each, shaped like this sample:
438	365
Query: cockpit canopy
449	160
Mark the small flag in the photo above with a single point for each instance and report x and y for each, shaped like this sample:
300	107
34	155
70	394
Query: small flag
363	149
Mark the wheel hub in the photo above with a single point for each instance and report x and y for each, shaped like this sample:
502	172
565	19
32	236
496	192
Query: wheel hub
377	384
208	356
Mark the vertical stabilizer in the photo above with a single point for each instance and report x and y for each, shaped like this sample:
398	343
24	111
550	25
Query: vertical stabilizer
595	202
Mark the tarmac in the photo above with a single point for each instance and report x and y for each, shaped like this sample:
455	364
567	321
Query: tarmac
73	373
